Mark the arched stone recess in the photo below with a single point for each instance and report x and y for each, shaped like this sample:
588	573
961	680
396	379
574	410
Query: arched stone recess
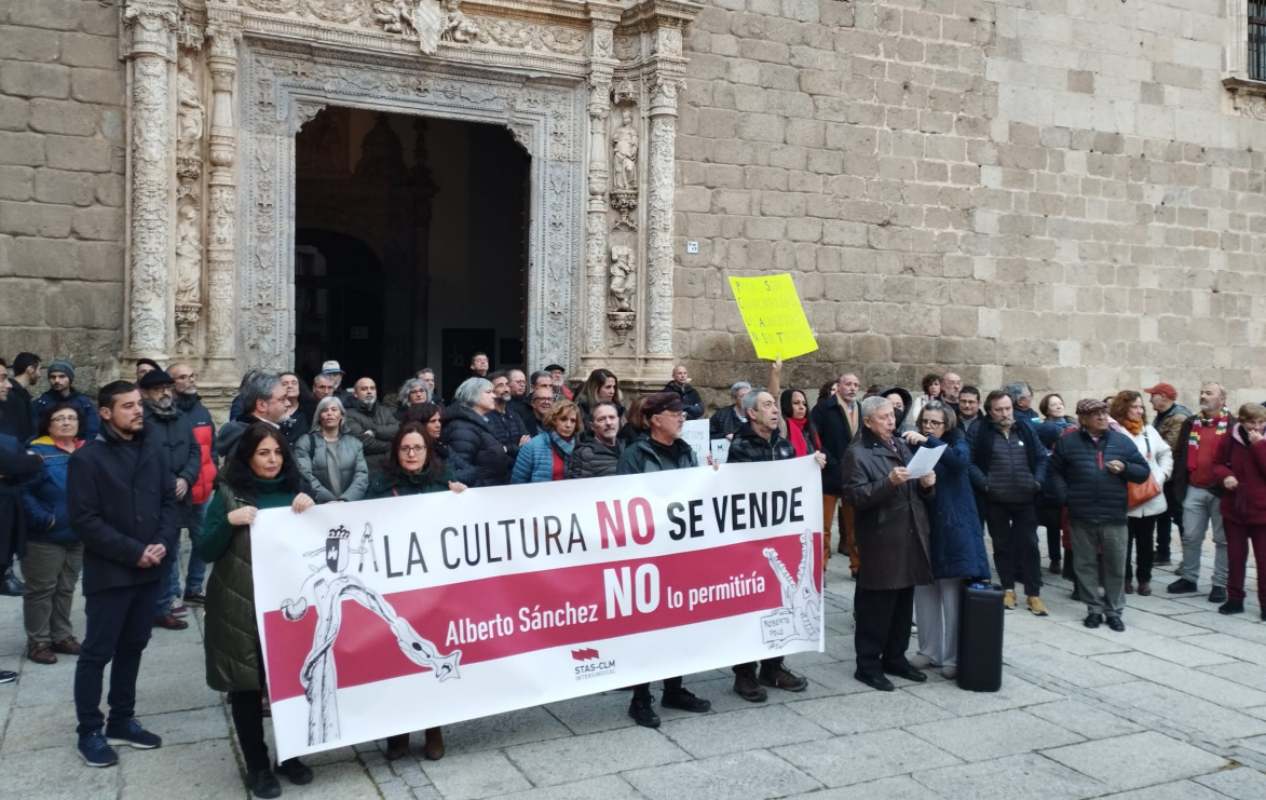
284	87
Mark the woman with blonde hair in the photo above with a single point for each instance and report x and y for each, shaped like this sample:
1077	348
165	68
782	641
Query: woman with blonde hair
544	457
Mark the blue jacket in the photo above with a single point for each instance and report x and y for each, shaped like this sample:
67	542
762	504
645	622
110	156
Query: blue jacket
535	462
89	419
957	542
1081	479
44	496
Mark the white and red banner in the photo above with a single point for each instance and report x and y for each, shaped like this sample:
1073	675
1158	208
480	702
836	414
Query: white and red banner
395	615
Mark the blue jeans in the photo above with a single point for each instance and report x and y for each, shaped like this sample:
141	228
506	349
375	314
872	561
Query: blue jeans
197	573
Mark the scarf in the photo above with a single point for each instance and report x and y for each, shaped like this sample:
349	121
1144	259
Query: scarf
1218	423
795	434
1135	427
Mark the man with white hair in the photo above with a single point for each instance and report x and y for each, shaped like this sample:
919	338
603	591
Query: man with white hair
1197	489
892	535
726	422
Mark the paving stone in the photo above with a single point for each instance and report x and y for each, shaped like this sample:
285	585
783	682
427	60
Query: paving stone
206	769
1076	640
1241	783
1139	759
901	787
567	760
1175	650
1184	711
1055	663
341	781
467	776
55	774
1023	777
608	787
1241	627
1194	682
869	711
1015	693
503	730
756	774
735	731
594	713
1232	644
40	727
1091	722
987	736
1251	675
864	757
1178	790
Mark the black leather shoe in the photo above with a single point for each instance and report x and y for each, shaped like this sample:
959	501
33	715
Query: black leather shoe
1217	594
877	682
683	700
1093	620
263	783
297	772
1116	624
746	687
643	712
1231	607
908	672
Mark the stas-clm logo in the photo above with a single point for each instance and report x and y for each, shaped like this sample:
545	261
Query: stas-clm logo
592	664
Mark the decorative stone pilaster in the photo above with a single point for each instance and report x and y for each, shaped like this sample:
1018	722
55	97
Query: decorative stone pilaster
602	63
190	125
659	200
222	201
151	26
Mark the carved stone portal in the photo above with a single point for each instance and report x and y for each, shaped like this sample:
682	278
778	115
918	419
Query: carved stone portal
588	88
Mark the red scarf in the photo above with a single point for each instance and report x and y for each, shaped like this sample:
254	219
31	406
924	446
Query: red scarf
795	434
1219	424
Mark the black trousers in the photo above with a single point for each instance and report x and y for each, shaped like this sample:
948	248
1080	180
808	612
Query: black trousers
119	625
1013	529
1141	531
882	633
1049	517
1166	523
248	720
643	691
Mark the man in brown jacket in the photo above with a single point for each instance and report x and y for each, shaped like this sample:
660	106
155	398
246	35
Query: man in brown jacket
892	535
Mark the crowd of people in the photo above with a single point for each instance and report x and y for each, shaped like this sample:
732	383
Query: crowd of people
101	491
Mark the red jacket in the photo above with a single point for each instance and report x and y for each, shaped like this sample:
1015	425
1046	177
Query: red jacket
1245	505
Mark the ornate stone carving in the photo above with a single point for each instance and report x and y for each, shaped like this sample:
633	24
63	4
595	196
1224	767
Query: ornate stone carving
624	92
191	114
428	21
152	27
624	149
222	199
624	203
623	278
190	122
529	36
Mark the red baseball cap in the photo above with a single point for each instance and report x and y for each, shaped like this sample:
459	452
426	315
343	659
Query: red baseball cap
1163	389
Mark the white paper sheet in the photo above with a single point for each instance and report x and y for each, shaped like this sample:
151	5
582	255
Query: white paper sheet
924	460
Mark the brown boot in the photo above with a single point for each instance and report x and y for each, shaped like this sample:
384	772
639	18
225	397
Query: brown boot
434	747
69	646
397	746
40	653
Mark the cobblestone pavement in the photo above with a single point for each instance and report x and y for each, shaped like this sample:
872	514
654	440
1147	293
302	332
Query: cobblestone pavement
1174	708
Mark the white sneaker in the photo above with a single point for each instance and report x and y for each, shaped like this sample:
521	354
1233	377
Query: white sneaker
920	661
949	672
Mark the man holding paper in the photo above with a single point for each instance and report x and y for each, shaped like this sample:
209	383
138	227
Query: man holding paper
892	535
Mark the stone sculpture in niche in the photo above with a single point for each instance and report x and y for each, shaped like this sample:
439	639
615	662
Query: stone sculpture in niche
624	143
192	114
623	278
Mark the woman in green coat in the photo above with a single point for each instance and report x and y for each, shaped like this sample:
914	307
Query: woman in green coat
260	473
414	467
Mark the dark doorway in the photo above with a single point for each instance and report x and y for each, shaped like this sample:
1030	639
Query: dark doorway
411	241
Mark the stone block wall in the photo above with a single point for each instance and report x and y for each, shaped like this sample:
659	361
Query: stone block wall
1053	190
61	182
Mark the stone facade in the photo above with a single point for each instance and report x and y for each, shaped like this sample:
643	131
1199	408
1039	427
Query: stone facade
61	182
1057	190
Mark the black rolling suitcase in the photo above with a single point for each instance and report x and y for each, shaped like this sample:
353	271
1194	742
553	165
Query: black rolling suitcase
980	638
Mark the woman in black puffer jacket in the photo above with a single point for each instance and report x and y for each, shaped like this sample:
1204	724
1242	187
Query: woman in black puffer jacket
479	459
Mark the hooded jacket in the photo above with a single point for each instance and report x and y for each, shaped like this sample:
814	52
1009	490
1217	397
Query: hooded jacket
1246	504
88	415
44	496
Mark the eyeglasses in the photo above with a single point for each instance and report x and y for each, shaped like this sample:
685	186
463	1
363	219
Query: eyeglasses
412	449
934	423
542	399
64	419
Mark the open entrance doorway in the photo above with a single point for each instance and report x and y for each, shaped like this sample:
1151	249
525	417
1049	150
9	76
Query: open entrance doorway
411	242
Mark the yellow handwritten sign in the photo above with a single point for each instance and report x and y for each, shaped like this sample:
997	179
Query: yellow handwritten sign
773	315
